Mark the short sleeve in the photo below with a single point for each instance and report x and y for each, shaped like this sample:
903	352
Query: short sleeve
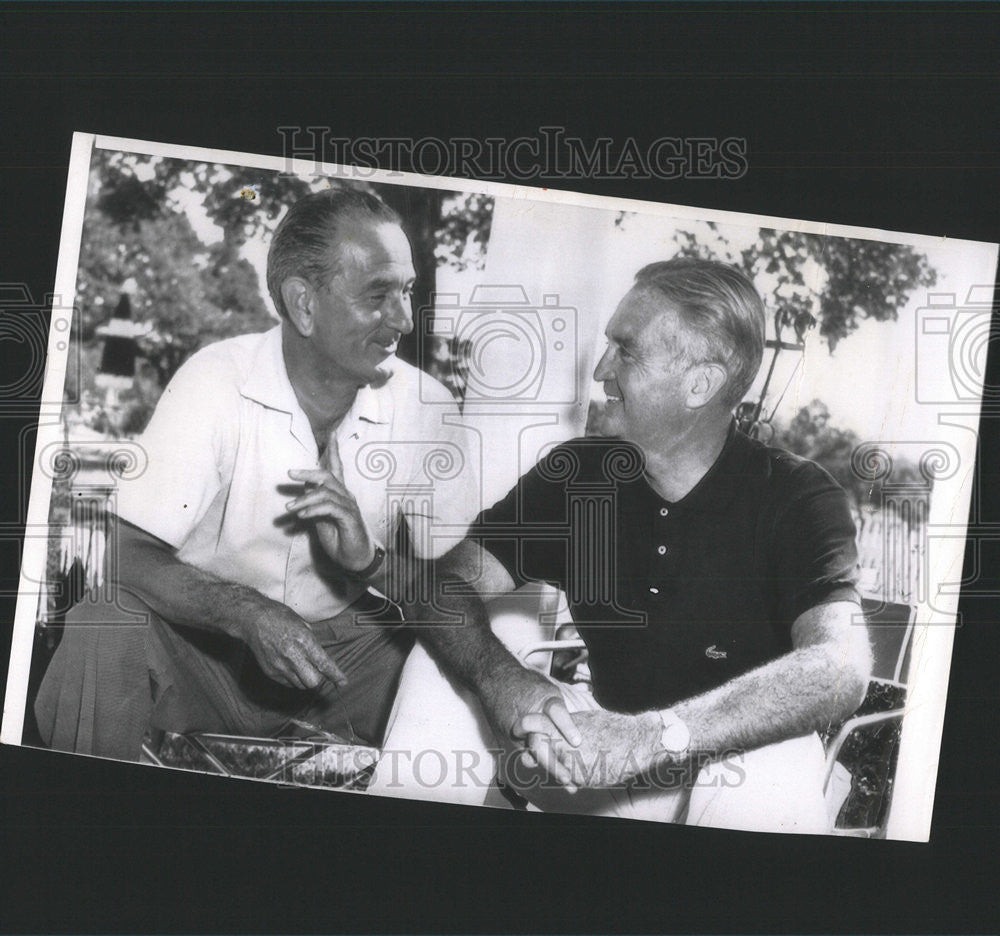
183	448
814	543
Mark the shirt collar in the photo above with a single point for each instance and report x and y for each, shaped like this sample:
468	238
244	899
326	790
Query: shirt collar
371	405
267	380
717	489
267	383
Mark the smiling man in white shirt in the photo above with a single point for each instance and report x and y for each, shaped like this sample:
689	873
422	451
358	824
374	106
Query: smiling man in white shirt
264	515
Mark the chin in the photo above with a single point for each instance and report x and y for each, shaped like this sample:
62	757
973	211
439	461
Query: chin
382	373
374	370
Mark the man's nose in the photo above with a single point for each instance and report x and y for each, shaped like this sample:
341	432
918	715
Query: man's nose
604	370
400	315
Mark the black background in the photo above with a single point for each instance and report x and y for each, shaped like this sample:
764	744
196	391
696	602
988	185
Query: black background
884	116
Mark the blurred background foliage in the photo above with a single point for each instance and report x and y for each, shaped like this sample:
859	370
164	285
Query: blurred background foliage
179	229
810	433
809	279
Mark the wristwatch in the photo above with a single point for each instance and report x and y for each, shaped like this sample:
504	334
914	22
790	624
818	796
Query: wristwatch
675	737
362	575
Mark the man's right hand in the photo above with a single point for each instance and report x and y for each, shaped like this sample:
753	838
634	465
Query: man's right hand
518	692
288	651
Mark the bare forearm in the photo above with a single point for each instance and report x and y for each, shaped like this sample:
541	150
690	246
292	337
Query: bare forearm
183	594
459	632
794	695
803	691
282	643
818	683
466	646
462	640
507	691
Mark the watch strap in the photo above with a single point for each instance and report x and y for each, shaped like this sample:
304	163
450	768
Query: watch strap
363	575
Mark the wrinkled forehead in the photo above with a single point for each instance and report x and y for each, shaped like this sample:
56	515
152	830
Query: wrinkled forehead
644	315
362	248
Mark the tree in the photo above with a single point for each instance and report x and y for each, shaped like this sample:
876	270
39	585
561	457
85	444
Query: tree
809	279
189	293
194	289
810	434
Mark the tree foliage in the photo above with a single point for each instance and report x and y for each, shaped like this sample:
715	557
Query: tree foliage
188	294
811	434
808	279
195	287
811	279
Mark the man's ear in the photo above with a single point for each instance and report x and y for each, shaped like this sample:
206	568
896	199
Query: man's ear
705	383
297	294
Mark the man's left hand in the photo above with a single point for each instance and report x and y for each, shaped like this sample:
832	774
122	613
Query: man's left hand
334	511
614	747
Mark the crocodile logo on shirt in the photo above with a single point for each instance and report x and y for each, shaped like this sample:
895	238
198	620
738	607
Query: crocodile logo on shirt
713	654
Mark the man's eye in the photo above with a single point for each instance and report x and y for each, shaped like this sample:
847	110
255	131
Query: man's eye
408	291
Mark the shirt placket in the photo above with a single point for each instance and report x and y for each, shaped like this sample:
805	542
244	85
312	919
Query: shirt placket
662	551
300	584
355	433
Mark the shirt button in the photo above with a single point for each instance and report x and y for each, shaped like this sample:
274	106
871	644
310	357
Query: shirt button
653	591
664	511
662	550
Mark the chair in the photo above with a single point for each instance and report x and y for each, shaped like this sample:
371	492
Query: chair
861	752
328	762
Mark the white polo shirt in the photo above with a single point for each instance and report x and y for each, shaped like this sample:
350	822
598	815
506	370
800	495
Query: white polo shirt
224	435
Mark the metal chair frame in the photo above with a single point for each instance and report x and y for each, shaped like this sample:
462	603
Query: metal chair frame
312	748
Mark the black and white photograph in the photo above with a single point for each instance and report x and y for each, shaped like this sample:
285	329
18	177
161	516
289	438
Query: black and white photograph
549	503
483	467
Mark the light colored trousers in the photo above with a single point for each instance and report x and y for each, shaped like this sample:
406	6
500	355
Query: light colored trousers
439	747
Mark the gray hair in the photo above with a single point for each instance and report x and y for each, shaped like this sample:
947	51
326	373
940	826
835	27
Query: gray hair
719	305
303	243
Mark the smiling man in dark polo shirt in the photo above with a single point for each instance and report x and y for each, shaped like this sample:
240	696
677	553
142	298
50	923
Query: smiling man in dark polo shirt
711	577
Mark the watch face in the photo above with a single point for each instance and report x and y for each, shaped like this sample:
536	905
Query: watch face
675	738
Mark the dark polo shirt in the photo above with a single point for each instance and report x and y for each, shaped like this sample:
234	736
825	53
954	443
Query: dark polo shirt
674	599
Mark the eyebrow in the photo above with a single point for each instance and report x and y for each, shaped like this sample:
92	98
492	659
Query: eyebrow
625	341
381	280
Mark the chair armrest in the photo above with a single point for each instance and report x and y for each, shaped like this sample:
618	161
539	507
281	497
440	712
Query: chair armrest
547	646
849	726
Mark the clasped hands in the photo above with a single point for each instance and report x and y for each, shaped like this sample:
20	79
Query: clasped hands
589	749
